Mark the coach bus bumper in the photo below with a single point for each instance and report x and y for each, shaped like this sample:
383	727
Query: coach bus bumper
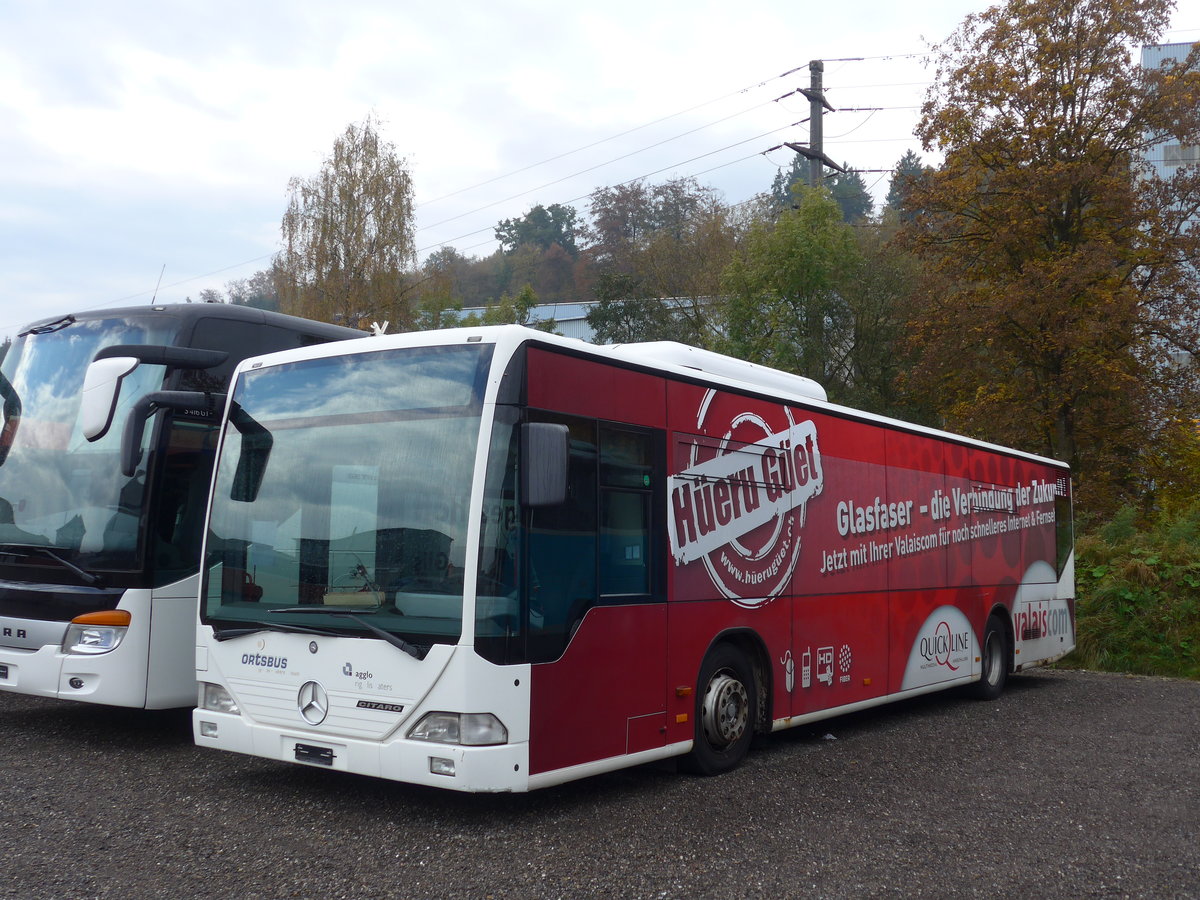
48	672
499	768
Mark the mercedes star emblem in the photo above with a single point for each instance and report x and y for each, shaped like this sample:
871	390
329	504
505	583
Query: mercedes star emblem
313	703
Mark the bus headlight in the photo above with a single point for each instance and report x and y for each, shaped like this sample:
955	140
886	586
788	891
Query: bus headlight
98	632
215	698
466	729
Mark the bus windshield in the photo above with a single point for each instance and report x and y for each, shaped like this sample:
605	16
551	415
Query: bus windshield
58	491
341	495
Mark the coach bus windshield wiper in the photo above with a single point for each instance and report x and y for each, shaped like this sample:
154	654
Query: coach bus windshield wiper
49	327
396	641
87	577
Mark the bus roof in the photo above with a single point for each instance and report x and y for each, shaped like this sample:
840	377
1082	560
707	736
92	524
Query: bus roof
187	313
667	358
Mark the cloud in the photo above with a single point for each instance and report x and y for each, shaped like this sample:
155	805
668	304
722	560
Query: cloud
139	133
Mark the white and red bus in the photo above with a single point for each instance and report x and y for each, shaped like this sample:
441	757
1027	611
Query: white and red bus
99	557
491	559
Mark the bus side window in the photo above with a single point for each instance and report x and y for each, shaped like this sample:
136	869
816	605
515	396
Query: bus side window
626	481
561	560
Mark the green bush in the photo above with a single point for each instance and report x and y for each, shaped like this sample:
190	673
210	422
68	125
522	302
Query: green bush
1138	595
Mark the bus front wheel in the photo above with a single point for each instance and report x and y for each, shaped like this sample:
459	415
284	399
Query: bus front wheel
726	703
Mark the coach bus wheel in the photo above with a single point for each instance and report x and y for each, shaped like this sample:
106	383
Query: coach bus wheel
994	660
725	708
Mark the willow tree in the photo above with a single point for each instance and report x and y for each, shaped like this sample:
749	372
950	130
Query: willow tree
348	234
1059	284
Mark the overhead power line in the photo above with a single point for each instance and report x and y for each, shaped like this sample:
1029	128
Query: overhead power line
610	138
601	165
621	134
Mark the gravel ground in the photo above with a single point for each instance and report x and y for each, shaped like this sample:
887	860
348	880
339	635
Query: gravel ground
1073	784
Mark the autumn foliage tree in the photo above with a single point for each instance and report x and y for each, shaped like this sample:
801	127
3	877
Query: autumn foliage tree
348	234
1058	277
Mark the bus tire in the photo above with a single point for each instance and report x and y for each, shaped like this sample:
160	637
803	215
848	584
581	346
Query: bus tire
993	660
726	704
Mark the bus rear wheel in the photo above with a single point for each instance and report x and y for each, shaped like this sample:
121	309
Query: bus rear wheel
726	704
993	660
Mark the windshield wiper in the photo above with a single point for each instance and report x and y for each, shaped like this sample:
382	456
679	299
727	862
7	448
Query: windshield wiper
392	639
56	325
87	577
225	634
398	642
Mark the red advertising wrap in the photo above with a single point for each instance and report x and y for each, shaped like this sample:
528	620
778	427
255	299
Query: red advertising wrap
864	554
871	532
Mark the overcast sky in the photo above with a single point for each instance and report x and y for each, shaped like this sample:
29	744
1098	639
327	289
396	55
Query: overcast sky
143	139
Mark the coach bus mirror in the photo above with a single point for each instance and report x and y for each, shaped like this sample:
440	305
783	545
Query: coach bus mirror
12	416
101	389
252	457
545	455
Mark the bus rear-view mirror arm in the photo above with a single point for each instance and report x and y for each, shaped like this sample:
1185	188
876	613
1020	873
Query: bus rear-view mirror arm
545	455
196	403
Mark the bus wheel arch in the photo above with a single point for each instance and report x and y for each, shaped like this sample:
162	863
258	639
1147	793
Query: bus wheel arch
732	700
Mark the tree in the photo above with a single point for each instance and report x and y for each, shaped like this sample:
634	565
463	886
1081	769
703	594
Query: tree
348	234
1058	274
518	310
811	294
852	197
624	313
796	175
684	267
621	216
437	295
908	170
877	291
786	307
258	291
624	217
847	188
542	227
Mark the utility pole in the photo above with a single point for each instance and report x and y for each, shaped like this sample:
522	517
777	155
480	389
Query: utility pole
815	151
816	122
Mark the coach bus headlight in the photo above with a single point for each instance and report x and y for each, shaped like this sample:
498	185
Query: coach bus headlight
215	698
467	729
98	632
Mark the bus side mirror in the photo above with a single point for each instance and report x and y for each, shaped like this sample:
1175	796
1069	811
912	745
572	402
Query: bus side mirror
545	457
101	389
12	416
102	381
252	459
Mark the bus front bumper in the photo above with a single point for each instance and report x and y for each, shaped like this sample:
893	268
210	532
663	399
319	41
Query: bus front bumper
48	672
449	766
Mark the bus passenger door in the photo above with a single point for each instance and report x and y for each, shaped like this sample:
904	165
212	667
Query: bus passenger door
596	620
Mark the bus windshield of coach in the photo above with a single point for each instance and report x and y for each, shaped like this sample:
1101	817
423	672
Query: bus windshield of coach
58	490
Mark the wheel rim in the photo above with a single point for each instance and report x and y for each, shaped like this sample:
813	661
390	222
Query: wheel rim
726	710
